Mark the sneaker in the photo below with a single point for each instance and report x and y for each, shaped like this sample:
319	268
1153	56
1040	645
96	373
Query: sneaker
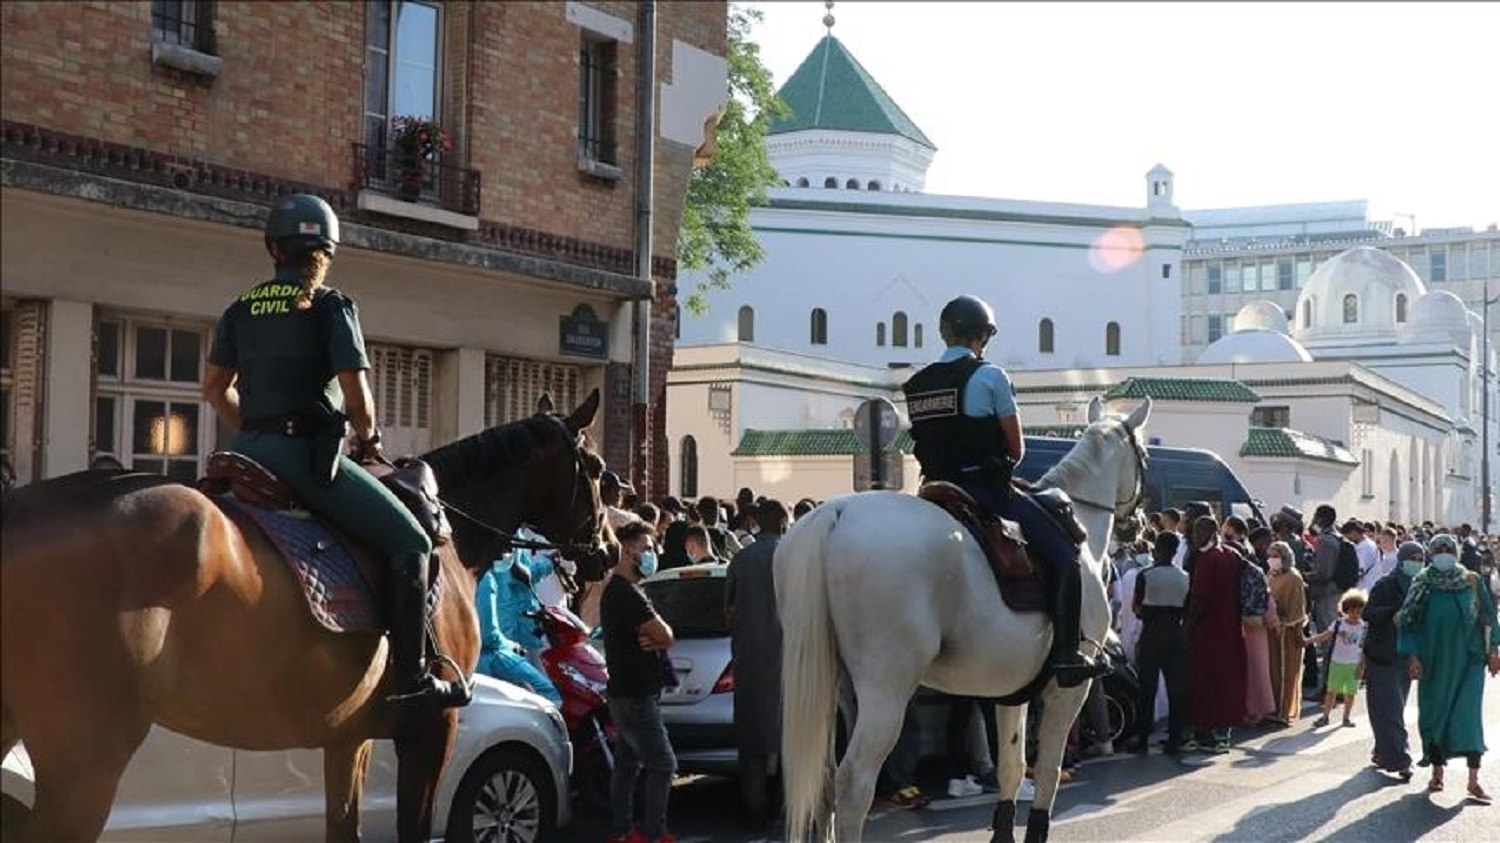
1348	723
1027	793
909	798
966	786
1189	745
1219	747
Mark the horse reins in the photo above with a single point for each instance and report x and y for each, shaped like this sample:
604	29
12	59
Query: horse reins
1134	504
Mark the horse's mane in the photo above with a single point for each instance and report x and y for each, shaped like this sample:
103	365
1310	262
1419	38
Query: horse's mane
494	450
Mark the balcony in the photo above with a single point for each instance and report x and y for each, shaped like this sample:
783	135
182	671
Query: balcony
437	192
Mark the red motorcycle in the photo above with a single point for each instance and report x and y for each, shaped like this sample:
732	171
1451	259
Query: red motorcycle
577	668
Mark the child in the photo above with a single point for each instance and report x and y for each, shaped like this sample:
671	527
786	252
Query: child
1346	662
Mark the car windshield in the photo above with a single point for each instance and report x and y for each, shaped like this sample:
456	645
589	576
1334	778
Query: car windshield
693	607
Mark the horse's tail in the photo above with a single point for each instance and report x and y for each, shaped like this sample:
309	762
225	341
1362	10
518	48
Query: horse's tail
809	669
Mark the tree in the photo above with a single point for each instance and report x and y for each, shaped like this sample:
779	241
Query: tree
716	234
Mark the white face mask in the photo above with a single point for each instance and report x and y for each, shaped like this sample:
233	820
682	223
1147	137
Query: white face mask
1444	561
1277	563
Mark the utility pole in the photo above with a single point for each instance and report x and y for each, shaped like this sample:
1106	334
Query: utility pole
1484	436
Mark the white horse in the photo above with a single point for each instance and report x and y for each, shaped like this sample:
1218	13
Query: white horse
889	592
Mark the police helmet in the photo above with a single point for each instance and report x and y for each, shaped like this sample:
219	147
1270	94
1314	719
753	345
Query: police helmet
967	318
300	223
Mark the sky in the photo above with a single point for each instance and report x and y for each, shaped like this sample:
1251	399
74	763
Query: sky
1246	103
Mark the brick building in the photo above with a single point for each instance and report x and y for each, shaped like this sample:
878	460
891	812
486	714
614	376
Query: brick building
143	143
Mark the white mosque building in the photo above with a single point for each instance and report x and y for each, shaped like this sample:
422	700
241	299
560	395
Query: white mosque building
1368	397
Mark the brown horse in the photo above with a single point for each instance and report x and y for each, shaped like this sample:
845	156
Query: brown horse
128	600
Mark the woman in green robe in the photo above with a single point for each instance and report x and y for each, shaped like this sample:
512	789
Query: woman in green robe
1449	634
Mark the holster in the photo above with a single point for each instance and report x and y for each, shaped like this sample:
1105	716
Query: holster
329	429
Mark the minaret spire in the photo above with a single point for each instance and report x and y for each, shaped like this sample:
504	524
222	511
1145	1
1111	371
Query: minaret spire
828	16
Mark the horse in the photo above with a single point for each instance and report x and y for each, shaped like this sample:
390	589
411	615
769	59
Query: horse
880	592
127	599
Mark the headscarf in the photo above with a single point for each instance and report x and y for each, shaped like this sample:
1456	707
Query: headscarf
1413	612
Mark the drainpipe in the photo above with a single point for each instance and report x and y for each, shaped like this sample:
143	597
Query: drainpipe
645	177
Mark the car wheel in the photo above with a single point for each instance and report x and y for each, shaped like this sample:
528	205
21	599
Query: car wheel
13	816
506	797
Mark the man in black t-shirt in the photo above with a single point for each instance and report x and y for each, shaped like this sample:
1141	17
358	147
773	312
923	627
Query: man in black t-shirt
636	641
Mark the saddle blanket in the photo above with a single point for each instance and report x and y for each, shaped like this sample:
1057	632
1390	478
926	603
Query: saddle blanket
339	595
1021	594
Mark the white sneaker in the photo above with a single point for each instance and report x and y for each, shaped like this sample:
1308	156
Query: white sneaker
965	786
1027	792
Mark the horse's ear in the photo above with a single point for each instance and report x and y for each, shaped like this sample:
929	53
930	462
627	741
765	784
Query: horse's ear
584	415
544	405
1138	417
1096	409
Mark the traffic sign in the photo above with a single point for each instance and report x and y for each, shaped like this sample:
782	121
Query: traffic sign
891	472
877	416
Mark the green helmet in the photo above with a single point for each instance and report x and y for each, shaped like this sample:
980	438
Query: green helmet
967	318
301	222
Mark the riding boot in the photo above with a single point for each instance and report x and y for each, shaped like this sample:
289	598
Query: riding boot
1069	666
414	686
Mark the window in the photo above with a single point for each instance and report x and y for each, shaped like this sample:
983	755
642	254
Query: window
401	380
916	335
1284	278
1307	312
596	100
852	184
1044	337
880	334
898	329
7	385
1215	326
1439	266
819	327
1351	309
1271	417
1112	339
1367	473
802	182
1248	277
687	465
1215	278
831	182
1400	307
1267	277
1166	270
1304	271
186	23
873	185
747	324
401	60
148	412
512	386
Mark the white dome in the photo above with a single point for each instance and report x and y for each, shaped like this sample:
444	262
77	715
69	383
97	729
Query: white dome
1435	317
1261	315
1353	295
1255	345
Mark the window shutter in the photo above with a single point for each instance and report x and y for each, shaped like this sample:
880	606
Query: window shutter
402	383
513	385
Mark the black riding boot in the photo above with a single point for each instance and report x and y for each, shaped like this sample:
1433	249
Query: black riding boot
1070	666
414	686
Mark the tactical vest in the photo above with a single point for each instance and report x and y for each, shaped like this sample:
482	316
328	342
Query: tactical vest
950	445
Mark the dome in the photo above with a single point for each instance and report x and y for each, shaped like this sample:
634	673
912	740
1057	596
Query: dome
1262	315
1256	345
1356	294
1435	317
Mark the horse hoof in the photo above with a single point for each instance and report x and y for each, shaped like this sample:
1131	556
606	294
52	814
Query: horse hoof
1004	823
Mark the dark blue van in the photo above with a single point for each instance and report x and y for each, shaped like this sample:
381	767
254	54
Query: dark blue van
1174	476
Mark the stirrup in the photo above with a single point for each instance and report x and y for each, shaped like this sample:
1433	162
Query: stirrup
1072	673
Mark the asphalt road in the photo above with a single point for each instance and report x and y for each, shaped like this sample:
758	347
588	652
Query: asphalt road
1291	784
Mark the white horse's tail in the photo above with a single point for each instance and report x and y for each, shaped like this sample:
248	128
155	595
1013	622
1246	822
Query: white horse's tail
809	670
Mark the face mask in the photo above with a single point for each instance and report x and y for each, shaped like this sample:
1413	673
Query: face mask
1277	563
1410	567
646	564
1444	561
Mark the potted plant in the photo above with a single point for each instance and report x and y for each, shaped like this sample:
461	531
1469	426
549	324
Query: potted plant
415	141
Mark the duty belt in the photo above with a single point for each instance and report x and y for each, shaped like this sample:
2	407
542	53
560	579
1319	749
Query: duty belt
295	427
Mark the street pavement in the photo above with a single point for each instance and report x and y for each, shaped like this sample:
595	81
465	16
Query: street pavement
1293	784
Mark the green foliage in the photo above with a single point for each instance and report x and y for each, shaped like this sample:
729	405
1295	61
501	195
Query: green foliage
716	234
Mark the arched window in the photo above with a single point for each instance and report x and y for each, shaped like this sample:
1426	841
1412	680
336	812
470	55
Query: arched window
1400	307
687	465
852	184
873	185
898	329
830	182
819	327
1044	338
1112	339
916	335
802	182
677	320
1351	309
880	334
747	323
1307	308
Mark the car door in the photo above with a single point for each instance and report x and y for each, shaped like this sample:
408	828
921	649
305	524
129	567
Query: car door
279	795
175	788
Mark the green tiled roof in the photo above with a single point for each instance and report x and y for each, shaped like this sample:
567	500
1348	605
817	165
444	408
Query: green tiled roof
1183	389
1285	442
831	90
808	443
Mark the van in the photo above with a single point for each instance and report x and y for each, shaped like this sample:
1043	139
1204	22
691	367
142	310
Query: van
1174	477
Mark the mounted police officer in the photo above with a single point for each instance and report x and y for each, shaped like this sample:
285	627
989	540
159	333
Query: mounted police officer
287	362
963	415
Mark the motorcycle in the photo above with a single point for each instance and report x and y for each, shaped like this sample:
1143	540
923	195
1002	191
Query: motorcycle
577	668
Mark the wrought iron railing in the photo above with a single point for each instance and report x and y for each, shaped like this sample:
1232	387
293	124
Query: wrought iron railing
438	182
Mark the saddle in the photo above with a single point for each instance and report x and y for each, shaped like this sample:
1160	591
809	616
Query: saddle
1001	539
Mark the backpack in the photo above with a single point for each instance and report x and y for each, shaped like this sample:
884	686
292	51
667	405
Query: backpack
1346	572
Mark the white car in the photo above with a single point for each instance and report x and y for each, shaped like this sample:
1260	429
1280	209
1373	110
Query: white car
507	781
699	712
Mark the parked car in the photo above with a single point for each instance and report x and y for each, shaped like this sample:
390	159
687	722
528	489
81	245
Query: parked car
699	712
507	780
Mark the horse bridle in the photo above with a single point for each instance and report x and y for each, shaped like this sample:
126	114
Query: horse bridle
1125	508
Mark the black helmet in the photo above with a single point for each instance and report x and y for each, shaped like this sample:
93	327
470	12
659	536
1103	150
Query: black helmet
301	222
967	318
